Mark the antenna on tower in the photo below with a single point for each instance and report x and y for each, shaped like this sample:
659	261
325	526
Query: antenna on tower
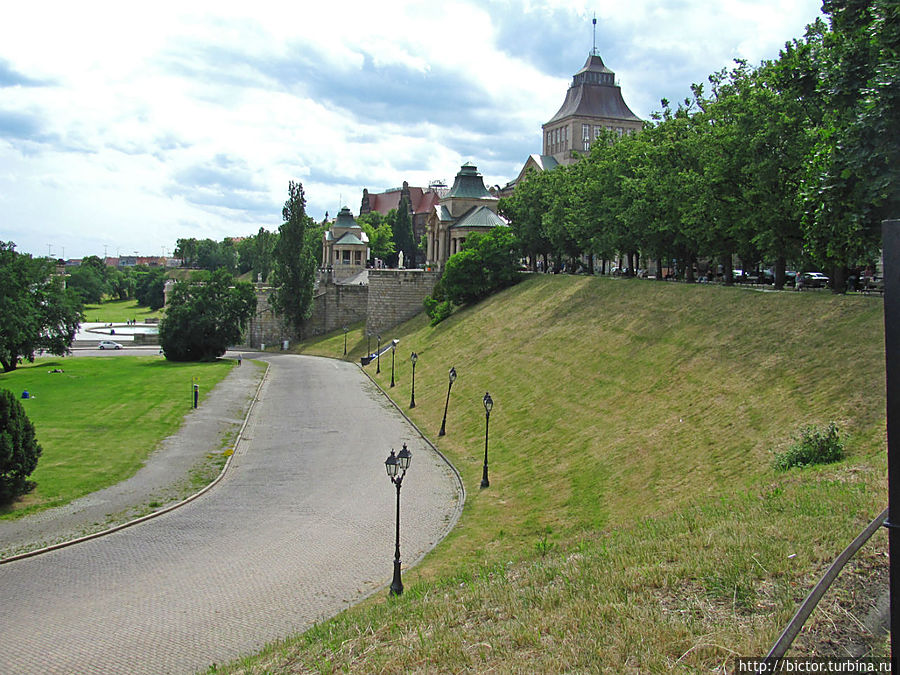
594	51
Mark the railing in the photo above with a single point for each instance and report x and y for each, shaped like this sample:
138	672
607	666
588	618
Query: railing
809	604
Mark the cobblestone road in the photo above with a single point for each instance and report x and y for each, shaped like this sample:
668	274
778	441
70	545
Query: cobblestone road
300	528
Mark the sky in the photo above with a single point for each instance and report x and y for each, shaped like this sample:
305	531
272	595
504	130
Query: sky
125	127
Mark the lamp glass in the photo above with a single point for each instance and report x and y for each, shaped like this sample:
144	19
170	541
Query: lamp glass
391	464
488	402
413	357
452	375
404	457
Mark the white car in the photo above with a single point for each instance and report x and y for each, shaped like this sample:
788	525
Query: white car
109	344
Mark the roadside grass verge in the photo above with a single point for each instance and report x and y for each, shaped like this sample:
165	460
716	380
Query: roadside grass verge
634	521
119	311
99	419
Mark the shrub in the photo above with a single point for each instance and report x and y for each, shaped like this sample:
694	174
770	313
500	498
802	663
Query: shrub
814	446
19	450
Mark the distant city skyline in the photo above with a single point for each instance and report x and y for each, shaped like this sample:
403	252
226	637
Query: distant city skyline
193	125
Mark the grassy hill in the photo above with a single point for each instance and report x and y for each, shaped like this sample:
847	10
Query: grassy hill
634	522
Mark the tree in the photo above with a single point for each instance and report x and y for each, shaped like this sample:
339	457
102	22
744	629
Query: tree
36	312
88	283
19	449
404	239
853	179
186	249
487	263
295	260
381	236
203	318
149	286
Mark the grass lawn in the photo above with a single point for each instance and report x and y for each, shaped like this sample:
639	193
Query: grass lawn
99	419
119	311
634	521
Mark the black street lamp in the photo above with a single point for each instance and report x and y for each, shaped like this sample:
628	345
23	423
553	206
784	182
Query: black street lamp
442	432
393	349
378	369
394	464
412	399
345	340
488	404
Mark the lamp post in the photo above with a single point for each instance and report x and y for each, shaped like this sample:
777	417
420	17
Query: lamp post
412	399
393	349
345	340
442	432
378	368
394	464
488	404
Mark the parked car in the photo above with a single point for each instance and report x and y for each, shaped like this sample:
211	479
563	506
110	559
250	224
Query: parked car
814	279
109	344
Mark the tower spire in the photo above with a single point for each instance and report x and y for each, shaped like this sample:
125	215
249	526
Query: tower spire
594	51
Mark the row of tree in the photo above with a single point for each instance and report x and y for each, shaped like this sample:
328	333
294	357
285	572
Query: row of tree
93	281
794	161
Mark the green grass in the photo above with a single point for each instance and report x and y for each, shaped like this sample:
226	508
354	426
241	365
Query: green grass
99	419
634	521
119	311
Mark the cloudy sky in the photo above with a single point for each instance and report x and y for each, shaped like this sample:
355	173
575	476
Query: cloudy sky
124	127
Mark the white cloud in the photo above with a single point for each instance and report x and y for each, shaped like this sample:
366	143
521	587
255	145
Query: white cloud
138	127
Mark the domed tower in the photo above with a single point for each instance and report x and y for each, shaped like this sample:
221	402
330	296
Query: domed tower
593	102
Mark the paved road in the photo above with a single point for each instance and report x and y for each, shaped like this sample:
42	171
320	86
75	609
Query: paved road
301	527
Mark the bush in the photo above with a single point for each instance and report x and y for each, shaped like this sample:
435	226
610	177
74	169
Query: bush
205	317
19	450
814	446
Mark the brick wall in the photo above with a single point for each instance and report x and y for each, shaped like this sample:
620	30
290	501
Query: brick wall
396	296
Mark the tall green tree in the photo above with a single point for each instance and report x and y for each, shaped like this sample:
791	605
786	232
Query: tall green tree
295	260
205	317
36	311
402	228
853	178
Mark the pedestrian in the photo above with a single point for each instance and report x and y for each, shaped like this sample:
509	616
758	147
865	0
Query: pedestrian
239	359
798	283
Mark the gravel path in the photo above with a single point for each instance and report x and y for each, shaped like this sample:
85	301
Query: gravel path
301	527
164	478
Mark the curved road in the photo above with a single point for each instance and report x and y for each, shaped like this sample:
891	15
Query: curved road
301	527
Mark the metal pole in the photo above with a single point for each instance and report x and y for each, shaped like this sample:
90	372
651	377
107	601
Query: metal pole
393	350
484	476
412	399
442	432
397	583
378	369
345	341
196	394
890	234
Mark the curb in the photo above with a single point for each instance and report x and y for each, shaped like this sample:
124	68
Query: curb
462	488
150	516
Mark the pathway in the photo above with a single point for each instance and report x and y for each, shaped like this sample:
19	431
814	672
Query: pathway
300	528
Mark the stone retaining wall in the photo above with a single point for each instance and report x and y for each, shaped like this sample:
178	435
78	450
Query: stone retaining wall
396	296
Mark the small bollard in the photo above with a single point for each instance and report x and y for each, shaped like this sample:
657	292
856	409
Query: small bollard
196	394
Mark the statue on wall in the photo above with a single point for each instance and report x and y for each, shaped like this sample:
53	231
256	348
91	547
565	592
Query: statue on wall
400	264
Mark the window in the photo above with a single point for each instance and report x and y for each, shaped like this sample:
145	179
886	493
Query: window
586	137
620	131
597	131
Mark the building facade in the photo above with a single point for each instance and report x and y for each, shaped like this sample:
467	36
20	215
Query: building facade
345	247
468	207
593	103
420	202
